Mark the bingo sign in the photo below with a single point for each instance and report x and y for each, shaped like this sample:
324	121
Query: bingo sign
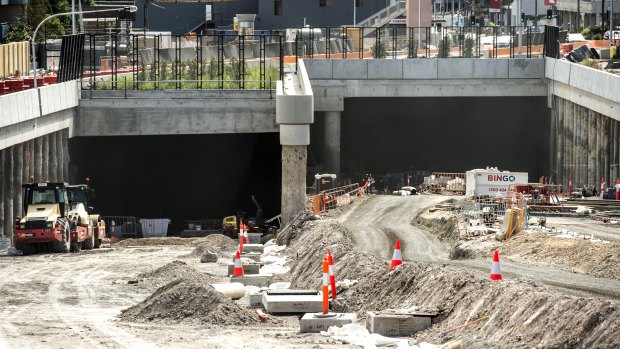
492	183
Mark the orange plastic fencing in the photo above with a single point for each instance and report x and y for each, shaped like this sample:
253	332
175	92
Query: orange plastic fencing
327	200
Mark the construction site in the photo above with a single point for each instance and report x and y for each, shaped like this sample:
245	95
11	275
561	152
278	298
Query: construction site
377	263
435	176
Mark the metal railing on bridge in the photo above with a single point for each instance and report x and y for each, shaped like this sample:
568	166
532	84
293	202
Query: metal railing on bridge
229	61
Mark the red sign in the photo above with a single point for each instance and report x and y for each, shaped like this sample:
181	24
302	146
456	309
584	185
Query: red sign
550	3
495	5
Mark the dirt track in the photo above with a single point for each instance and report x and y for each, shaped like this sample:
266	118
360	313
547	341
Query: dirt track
73	301
379	221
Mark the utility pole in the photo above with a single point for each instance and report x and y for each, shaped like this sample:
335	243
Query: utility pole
535	13
578	16
73	17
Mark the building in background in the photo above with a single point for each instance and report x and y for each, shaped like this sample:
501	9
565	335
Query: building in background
9	11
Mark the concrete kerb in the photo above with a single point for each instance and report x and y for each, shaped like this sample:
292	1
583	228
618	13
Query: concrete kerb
317	322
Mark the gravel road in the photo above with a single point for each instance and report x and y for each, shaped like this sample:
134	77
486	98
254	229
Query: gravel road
376	224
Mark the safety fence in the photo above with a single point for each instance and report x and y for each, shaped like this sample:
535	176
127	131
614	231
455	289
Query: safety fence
225	60
509	214
445	182
330	199
123	227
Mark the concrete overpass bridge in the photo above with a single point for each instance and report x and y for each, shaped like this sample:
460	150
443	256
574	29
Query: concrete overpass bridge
544	115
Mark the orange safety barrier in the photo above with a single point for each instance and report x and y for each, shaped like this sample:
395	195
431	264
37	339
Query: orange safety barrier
330	199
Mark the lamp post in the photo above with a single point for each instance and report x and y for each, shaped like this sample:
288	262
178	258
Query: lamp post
73	13
354	18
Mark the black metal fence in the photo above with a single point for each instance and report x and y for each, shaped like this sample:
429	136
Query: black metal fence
71	57
230	61
552	42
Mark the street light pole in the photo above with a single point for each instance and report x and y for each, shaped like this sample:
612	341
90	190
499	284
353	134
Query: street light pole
354	9
34	35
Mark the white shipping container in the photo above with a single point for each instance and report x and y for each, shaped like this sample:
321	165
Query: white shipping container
492	182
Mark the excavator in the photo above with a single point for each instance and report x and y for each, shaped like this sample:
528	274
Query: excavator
256	224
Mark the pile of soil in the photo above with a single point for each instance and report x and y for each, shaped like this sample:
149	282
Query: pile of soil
442	223
577	255
185	300
217	243
159	241
173	271
520	314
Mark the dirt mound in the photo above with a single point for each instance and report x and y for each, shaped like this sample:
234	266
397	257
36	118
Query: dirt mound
173	271
574	254
160	241
185	300
216	243
441	223
520	314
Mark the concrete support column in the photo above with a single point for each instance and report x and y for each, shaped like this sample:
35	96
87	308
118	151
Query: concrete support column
53	170
38	159
294	159
65	155
18	172
331	152
45	164
8	184
60	158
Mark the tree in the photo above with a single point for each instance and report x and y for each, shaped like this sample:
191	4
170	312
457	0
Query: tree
18	31
379	50
445	45
468	47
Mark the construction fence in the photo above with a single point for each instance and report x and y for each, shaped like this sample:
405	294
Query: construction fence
330	199
14	59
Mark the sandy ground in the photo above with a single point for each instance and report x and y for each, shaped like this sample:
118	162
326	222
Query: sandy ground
74	300
376	223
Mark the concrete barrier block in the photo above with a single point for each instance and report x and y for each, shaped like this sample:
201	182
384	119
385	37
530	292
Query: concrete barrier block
252	280
561	70
455	68
390	324
491	68
314	322
4	111
417	68
251	269
350	69
385	69
319	68
255	238
256	299
292	303
526	68
14	108
249	248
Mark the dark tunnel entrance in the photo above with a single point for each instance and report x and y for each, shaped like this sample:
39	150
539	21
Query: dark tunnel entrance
381	135
184	177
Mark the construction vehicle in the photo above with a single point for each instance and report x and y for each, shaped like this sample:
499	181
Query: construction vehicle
80	199
52	222
256	224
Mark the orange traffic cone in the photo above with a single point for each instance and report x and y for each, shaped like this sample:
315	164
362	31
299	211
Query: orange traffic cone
325	286
240	236
238	270
397	259
332	277
496	274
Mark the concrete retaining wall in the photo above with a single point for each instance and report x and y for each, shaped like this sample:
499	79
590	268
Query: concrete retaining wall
594	89
419	68
22	120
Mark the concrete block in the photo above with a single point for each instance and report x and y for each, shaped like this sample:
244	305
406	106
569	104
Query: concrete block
451	68
395	324
255	256
350	69
252	280
256	299
417	68
314	323
294	134
318	68
253	268
255	238
491	68
278	303
526	68
249	248
385	69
